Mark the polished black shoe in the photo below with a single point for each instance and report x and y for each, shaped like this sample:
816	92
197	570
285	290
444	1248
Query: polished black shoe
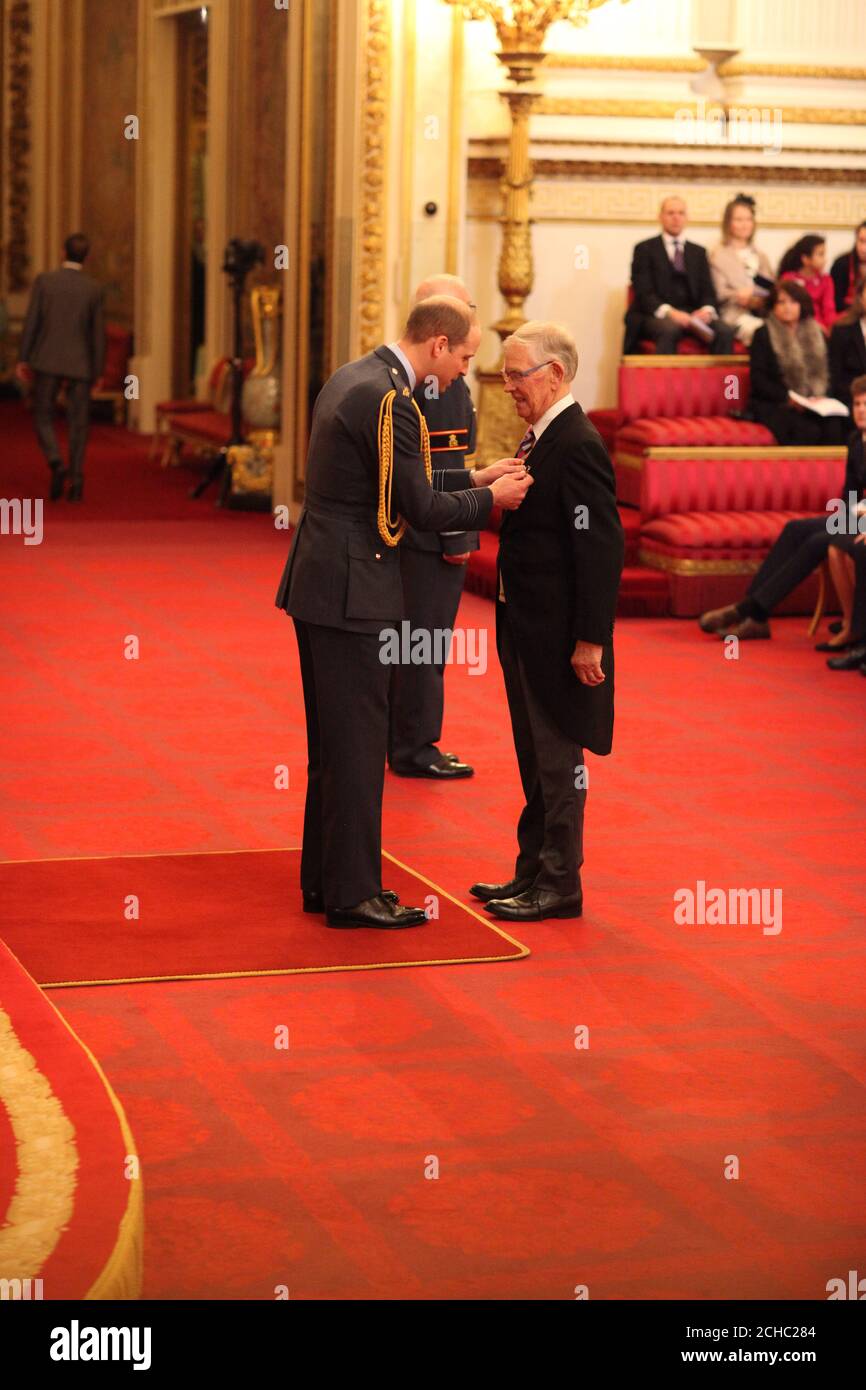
536	904
854	657
315	902
76	491
444	769
58	478
376	912
832	646
487	891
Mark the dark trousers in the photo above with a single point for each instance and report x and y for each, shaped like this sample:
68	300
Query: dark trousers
431	597
858	555
45	388
666	335
800	427
801	547
346	704
550	828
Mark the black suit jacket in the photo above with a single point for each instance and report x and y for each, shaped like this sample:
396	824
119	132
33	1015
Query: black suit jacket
652	281
450	419
766	383
340	573
561	581
64	332
847	352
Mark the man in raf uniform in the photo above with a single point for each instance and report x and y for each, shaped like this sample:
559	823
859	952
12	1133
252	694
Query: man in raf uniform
433	571
366	466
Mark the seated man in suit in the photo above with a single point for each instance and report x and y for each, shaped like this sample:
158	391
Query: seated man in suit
673	286
559	571
800	548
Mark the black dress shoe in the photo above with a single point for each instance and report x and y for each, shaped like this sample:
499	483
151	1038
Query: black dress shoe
854	657
58	478
832	646
536	904
76	491
376	912
315	902
443	769
487	891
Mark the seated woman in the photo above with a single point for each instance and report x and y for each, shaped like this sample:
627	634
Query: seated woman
847	559
847	346
848	269
734	263
788	353
804	264
801	547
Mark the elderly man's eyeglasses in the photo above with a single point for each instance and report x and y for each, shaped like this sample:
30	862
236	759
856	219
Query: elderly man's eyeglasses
512	378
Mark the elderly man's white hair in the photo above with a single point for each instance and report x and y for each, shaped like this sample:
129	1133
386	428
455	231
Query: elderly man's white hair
548	341
442	284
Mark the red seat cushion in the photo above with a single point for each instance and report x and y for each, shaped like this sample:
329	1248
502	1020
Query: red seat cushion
176	407
716	535
208	425
684	431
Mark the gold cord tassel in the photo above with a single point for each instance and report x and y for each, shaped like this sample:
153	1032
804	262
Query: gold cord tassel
392	529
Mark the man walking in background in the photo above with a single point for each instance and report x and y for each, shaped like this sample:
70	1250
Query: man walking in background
433	571
64	339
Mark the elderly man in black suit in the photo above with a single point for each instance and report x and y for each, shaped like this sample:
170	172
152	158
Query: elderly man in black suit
673	289
341	584
64	338
560	561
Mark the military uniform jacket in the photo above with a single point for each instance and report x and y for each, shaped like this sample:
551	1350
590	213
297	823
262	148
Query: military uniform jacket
64	333
340	573
451	421
560	567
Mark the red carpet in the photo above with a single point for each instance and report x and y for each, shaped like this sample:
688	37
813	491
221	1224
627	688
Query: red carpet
66	921
557	1166
70	1206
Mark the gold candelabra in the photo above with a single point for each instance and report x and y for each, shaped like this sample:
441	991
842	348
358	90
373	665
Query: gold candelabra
521	27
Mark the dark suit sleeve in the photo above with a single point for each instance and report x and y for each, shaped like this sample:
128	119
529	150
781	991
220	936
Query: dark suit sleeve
31	323
413	496
706	290
839	275
97	330
598	546
646	300
836	354
765	383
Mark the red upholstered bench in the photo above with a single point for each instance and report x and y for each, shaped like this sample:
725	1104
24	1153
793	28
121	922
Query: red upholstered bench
709	522
684	403
710	557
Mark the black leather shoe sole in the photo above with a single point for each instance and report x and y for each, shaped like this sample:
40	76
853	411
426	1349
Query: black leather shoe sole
345	918
850	662
449	773
314	902
531	914
486	892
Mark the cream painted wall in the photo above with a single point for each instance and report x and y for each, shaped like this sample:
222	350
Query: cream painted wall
590	301
609	213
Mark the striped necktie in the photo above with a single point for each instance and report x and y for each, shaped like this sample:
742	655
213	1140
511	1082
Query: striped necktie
524	448
526	445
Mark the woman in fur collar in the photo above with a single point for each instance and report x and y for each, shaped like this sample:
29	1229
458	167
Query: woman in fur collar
789	353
